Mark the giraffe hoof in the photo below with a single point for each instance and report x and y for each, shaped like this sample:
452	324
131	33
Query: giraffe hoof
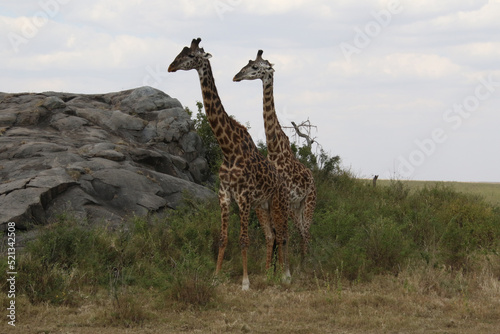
245	286
287	278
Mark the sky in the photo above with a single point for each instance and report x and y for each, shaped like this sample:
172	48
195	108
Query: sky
397	88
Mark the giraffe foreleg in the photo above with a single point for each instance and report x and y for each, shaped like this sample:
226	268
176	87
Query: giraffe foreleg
244	206
224	202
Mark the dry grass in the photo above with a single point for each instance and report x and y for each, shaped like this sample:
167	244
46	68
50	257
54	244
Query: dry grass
427	300
489	191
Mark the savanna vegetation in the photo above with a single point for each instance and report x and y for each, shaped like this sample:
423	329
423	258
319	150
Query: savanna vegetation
382	259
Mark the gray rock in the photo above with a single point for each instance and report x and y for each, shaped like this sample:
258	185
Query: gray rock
55	179
68	123
34	149
53	102
119	120
199	169
149	133
111	155
191	144
176	113
23	206
144	99
98	117
98	157
171	129
7	119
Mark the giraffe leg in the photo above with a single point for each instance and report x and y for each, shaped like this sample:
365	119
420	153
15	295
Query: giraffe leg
280	212
297	217
244	240
224	201
299	221
265	223
309	206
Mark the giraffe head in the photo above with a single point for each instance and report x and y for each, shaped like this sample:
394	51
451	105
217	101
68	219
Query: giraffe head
256	69
190	58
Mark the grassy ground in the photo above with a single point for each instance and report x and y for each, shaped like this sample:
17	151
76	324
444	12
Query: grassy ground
489	191
427	301
390	259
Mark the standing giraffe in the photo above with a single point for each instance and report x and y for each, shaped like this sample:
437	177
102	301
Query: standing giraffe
298	179
245	175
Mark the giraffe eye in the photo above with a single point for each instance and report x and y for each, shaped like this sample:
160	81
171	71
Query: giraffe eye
191	55
255	67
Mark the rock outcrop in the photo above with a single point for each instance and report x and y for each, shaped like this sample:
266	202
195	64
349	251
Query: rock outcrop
100	157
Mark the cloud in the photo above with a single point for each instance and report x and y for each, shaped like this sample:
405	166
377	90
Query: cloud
429	66
265	7
428	8
395	90
405	66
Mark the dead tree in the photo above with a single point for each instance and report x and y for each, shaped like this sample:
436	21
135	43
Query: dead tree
307	136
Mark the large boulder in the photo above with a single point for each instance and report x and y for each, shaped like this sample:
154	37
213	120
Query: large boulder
99	157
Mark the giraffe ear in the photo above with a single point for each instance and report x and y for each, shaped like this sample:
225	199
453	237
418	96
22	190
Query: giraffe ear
207	55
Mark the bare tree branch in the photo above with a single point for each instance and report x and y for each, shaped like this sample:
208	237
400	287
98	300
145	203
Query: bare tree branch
308	139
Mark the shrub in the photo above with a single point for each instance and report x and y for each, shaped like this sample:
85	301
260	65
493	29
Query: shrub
213	153
127	311
64	257
193	282
368	231
386	245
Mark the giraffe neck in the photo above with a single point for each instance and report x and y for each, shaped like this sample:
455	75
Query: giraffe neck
226	130
277	140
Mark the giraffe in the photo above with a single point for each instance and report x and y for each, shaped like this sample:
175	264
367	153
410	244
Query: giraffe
246	176
298	178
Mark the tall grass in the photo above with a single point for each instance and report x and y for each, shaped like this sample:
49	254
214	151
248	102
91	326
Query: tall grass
369	230
359	232
172	255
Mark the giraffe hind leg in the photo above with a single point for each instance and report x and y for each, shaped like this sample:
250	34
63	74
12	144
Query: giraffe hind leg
280	212
297	213
265	223
307	218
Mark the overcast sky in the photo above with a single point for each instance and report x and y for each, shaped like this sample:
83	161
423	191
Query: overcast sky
403	89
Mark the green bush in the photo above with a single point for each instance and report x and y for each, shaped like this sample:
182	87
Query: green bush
149	253
367	231
213	153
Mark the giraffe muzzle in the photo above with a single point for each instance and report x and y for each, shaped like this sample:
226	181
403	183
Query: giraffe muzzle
171	68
